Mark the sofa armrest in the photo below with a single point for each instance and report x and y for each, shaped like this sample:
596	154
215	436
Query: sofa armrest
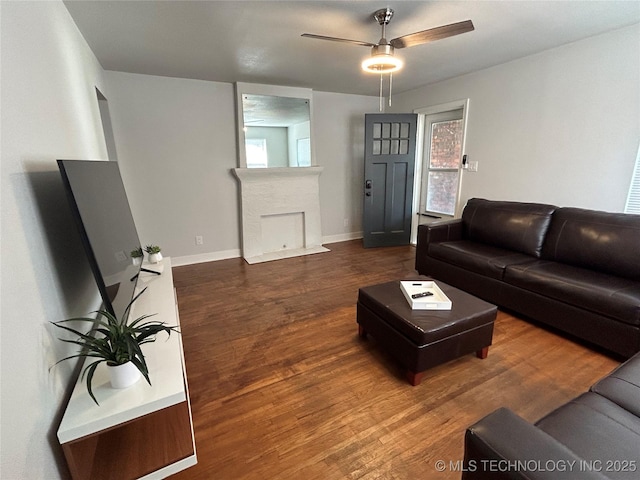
442	231
503	446
622	386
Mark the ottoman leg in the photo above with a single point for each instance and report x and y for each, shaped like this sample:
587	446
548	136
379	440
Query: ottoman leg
361	331
414	378
483	353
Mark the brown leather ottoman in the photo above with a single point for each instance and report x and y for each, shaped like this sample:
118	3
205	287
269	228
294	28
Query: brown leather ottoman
421	339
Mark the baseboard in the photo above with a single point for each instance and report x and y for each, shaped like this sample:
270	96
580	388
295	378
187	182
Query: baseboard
205	257
343	237
237	253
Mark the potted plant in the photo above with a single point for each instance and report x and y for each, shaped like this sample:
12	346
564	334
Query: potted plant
137	255
154	253
115	342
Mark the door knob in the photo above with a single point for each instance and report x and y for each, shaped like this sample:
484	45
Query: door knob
368	194
367	184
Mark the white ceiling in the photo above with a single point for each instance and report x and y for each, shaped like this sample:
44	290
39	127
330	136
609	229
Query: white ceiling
260	42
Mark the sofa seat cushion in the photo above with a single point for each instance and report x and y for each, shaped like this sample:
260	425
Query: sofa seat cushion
598	431
477	257
622	386
607	295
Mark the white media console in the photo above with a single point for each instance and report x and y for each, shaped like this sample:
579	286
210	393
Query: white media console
144	431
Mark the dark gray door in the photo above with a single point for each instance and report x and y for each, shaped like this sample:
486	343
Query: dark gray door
389	162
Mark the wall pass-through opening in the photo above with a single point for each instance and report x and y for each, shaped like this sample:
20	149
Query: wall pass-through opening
105	117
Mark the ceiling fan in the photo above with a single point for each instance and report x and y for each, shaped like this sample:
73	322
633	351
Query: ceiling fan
382	58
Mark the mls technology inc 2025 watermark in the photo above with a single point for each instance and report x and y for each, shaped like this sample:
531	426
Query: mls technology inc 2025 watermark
536	466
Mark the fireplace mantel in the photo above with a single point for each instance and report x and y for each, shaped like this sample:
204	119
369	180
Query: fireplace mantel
280	212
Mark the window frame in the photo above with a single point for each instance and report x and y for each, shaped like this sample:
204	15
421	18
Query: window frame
431	119
452	116
422	112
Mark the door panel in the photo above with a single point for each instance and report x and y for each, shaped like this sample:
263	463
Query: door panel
399	193
378	178
390	143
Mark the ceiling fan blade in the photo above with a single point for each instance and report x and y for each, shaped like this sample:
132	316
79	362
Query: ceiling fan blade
335	39
432	34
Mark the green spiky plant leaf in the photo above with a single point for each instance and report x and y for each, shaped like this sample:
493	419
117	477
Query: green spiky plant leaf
136	253
150	249
114	341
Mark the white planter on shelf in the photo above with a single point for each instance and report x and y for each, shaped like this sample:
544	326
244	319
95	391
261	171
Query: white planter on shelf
137	260
155	257
123	376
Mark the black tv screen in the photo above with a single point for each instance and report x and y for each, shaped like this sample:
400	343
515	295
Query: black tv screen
101	210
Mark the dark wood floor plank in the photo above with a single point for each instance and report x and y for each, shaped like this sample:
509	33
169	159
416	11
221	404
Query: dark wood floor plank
283	387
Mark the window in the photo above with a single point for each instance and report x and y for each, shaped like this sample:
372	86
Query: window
304	152
633	200
256	149
442	162
390	138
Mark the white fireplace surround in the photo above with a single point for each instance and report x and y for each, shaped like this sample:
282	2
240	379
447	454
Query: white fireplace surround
280	212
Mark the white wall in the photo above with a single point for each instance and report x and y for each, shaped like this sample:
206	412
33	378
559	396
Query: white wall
49	111
339	144
176	145
560	127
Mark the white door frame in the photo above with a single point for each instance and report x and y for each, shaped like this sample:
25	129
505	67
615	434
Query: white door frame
417	178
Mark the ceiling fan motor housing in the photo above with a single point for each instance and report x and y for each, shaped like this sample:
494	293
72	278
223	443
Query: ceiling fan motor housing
382	60
382	49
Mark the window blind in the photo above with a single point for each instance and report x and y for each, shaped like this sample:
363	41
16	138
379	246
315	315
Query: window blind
633	200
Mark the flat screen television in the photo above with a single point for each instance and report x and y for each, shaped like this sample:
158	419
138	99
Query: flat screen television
101	211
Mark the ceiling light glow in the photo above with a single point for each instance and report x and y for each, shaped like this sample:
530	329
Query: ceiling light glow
383	63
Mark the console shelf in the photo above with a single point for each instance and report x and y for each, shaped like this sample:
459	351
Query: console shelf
144	431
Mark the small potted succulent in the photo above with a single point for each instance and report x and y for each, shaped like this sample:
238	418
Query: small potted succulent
137	256
154	253
117	343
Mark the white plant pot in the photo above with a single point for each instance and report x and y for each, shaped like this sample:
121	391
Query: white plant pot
137	260
155	257
123	376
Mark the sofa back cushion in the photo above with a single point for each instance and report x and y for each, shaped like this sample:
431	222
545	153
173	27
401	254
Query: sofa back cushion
516	226
606	242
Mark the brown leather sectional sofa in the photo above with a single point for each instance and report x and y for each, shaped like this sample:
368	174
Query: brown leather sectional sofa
573	269
578	271
594	436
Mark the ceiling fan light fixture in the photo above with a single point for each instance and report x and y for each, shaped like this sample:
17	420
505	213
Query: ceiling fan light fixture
383	63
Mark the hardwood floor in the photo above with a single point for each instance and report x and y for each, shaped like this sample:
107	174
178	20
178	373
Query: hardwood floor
282	386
